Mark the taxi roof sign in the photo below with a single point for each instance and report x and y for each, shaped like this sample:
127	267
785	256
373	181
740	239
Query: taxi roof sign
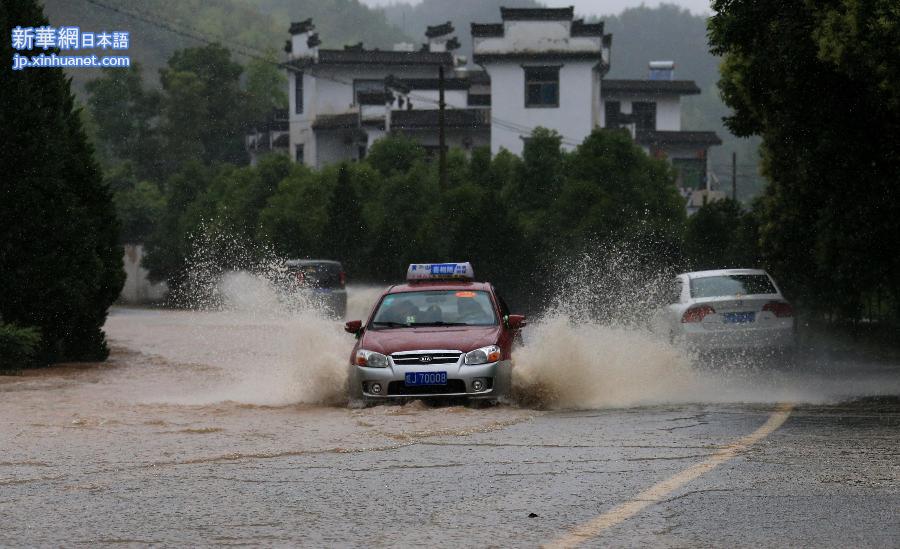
440	271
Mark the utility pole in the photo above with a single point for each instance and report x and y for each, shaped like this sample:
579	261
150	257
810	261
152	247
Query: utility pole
734	175
442	162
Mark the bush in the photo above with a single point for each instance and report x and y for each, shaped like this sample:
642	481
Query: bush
18	347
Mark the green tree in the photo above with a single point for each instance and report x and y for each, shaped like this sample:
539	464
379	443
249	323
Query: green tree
394	153
139	208
126	115
822	96
720	235
345	230
60	260
615	191
294	215
266	87
169	244
206	111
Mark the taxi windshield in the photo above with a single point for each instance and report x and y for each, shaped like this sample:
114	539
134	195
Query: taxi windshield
435	308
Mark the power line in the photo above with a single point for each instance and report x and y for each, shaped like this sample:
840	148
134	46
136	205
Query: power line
159	22
248	51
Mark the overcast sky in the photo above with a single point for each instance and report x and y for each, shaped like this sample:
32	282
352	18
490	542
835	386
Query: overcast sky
592	7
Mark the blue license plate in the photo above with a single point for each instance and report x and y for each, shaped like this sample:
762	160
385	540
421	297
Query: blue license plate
739	318
425	378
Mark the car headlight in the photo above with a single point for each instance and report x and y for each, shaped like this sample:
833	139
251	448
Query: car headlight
371	359
483	355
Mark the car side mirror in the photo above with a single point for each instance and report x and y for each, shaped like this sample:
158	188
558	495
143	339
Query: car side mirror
353	327
515	322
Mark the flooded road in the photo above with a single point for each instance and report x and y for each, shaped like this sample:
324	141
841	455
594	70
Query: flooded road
230	427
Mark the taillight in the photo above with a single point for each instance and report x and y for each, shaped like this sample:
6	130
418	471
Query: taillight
779	309
343	277
301	277
697	314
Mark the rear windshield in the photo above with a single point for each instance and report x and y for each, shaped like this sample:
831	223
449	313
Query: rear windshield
319	275
435	308
728	285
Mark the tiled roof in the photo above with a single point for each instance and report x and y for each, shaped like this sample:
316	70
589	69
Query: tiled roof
300	27
434	83
356	57
545	55
662	138
580	28
411	120
336	121
537	14
374	98
660	87
486	30
439	30
453	118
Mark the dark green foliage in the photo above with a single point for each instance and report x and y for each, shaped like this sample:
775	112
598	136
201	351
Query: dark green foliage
396	154
720	235
345	231
815	81
19	347
266	87
60	261
381	214
203	114
125	115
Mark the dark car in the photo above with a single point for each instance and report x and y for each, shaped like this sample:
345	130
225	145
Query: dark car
321	281
439	335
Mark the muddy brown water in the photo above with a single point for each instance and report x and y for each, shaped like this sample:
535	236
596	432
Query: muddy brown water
193	405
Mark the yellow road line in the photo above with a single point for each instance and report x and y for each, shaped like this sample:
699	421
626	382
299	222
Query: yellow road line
657	492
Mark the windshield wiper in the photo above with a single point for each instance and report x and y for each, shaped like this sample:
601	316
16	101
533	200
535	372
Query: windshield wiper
391	324
440	323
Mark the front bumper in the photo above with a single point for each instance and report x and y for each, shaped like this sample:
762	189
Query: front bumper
494	376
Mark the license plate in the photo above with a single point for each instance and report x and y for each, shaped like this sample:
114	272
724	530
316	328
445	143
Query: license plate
739	318
425	378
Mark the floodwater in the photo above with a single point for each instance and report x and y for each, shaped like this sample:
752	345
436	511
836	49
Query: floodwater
256	384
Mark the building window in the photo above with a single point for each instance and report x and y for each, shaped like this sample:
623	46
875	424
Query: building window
644	113
691	173
362	85
298	93
298	154
612	110
542	87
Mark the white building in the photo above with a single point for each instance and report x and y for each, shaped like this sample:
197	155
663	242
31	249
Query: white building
537	67
545	69
651	111
341	101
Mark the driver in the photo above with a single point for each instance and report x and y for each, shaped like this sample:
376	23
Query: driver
403	312
470	311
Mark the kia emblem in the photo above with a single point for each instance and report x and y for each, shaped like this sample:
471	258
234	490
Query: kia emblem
425	358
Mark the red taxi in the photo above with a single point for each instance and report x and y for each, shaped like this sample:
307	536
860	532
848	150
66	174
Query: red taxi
439	335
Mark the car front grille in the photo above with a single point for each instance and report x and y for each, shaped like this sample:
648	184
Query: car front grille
396	388
426	358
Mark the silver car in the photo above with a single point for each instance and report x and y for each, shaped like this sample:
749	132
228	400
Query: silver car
727	309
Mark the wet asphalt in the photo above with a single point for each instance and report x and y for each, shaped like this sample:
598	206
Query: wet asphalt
830	476
87	458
